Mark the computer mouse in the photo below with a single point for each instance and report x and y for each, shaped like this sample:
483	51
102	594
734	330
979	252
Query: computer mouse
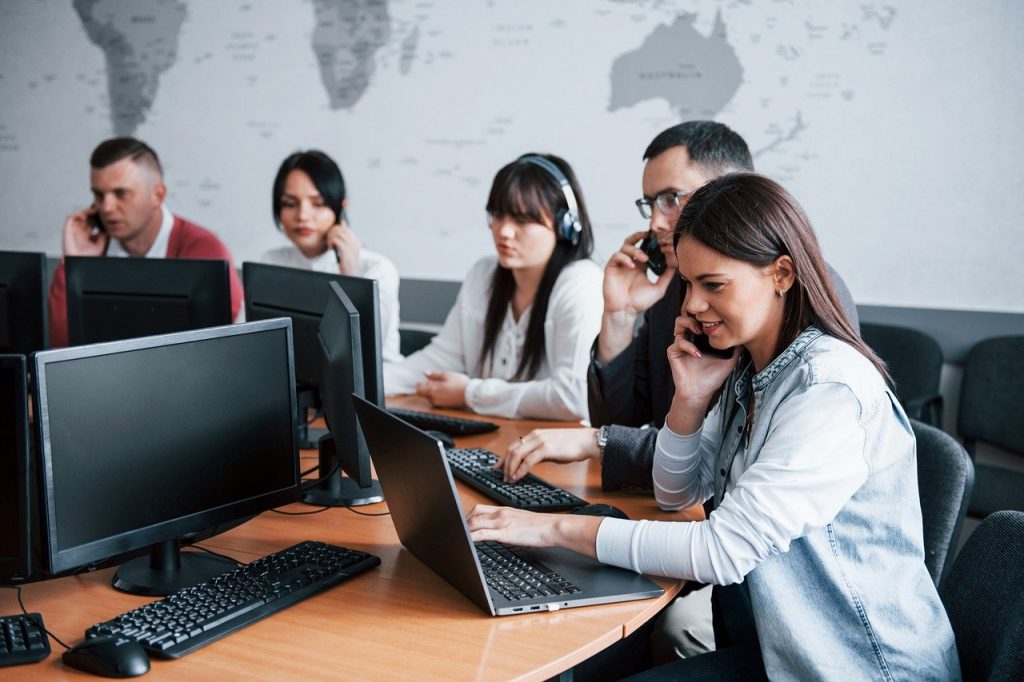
601	510
112	656
445	439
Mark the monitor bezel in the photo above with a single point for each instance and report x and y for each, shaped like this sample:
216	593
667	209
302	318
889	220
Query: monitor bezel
17	569
203	282
21	269
64	558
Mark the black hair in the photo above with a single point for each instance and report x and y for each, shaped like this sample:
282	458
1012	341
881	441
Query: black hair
324	173
116	149
713	146
750	218
527	193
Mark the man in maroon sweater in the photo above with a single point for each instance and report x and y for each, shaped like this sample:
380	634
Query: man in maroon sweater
128	200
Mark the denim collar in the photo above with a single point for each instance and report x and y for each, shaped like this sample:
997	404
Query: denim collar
766	375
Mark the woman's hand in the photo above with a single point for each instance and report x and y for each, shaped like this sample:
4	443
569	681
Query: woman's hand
547	445
529	529
347	247
444	389
696	376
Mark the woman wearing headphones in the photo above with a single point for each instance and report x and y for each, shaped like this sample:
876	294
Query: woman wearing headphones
309	207
517	342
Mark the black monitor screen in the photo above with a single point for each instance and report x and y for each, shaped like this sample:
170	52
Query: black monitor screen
273	291
122	298
153	438
14	468
22	302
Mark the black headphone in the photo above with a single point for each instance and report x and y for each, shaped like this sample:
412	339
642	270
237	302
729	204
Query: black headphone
567	221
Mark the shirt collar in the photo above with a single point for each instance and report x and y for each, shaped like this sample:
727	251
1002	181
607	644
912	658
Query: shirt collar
160	244
765	376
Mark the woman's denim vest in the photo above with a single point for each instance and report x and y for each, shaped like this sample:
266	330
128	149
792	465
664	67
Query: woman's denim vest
852	600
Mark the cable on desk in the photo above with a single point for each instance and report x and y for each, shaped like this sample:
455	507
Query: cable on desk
306	485
355	511
308	471
21	603
233	560
302	513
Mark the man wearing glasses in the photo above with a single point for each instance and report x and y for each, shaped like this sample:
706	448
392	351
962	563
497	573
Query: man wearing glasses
630	384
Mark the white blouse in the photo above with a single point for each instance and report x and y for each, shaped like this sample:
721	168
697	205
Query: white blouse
372	265
559	389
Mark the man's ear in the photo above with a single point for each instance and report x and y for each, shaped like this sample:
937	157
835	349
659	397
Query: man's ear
160	191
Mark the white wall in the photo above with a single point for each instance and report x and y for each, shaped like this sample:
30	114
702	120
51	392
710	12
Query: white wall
908	157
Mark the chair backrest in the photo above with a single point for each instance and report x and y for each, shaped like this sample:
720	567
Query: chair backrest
915	363
411	340
945	476
984	599
992	394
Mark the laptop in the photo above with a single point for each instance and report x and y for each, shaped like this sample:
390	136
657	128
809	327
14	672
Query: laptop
427	513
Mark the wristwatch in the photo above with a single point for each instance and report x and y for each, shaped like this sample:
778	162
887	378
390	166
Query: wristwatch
602	438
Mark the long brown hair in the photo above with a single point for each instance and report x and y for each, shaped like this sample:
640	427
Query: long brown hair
750	218
528	193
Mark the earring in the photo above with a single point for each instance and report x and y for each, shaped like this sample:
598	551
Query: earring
780	292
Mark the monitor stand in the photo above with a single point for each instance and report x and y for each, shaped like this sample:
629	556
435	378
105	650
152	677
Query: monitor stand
308	436
165	570
338	490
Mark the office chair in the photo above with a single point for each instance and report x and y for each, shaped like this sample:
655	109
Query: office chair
945	476
985	602
992	412
915	363
411	340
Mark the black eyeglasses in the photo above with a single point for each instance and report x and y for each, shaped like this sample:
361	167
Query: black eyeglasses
668	202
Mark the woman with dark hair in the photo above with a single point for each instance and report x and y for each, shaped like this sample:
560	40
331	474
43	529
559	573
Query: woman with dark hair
309	207
803	448
517	341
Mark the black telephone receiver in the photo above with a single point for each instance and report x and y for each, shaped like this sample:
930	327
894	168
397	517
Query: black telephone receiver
704	346
341	218
655	258
95	222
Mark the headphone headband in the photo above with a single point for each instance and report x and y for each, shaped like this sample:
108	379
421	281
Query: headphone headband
567	223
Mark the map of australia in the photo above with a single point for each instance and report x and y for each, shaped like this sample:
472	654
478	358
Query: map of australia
140	42
347	36
696	75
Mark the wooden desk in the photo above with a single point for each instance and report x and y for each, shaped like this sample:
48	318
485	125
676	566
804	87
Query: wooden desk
398	621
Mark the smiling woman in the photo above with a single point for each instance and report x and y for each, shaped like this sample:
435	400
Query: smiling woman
516	343
803	449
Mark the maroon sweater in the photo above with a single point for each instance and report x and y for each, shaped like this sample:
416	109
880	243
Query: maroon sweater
187	240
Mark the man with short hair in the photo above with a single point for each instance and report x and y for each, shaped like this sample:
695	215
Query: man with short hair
128	218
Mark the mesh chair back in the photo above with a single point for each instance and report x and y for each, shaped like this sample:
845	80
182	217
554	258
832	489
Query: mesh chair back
985	601
992	394
945	476
915	363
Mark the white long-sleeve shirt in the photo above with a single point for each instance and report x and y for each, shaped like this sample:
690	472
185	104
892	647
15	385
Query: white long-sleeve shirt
372	265
558	391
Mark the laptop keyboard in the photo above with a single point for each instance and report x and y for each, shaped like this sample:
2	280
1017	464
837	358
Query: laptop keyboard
515	579
475	467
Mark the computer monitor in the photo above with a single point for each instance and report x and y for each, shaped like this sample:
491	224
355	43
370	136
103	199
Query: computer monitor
22	302
147	440
121	298
15	495
343	449
275	291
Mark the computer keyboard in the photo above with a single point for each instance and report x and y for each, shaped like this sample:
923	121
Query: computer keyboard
453	426
195	616
475	467
514	578
22	639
